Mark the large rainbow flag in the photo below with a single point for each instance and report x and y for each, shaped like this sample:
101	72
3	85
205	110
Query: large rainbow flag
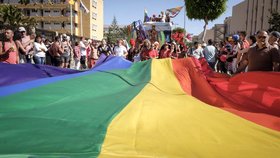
157	108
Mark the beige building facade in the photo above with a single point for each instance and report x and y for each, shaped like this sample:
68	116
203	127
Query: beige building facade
55	16
208	35
252	15
216	33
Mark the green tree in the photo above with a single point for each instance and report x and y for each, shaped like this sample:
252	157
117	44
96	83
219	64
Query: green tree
12	16
179	30
114	31
124	32
25	2
274	21
205	10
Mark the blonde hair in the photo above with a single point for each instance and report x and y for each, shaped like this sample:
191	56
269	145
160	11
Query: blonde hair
149	43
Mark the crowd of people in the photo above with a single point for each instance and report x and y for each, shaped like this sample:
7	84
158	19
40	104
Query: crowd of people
237	53
241	53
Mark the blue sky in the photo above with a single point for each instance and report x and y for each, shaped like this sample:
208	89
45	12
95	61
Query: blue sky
127	11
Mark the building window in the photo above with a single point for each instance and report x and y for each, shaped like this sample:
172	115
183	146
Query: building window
56	13
94	3
27	12
94	27
57	1
47	12
57	25
75	13
34	12
35	1
47	25
11	1
94	16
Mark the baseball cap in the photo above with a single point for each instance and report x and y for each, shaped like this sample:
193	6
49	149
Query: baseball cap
275	34
235	37
21	29
132	42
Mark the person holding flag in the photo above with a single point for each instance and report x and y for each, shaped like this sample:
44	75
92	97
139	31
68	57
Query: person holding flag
174	12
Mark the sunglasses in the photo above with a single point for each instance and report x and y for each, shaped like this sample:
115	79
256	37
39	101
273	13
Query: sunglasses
262	37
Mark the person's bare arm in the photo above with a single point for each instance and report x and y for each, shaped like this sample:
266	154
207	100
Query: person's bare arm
125	53
275	59
27	43
242	66
61	50
20	46
2	52
17	57
276	66
1	49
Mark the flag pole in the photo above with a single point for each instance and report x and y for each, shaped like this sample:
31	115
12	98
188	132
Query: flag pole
185	18
81	13
71	2
71	20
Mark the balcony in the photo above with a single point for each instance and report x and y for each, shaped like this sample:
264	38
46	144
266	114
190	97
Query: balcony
52	18
66	31
43	6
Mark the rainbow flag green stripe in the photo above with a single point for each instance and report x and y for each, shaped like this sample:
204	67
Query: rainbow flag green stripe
67	118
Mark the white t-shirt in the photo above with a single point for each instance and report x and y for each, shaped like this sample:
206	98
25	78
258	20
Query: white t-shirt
137	58
120	50
83	49
198	53
40	49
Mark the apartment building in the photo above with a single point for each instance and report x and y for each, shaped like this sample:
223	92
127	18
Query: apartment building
252	15
54	15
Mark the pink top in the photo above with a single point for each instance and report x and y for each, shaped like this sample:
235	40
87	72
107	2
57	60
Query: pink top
148	54
77	52
165	54
12	57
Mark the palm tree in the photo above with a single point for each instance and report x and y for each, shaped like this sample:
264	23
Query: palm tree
12	16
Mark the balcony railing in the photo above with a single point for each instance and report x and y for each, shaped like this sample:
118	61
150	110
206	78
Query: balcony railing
52	18
41	6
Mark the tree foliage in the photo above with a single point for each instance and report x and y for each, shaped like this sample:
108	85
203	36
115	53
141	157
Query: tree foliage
124	32
114	31
274	21
179	30
25	2
207	10
12	16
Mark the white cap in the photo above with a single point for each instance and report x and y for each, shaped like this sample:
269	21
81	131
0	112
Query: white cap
204	44
21	29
